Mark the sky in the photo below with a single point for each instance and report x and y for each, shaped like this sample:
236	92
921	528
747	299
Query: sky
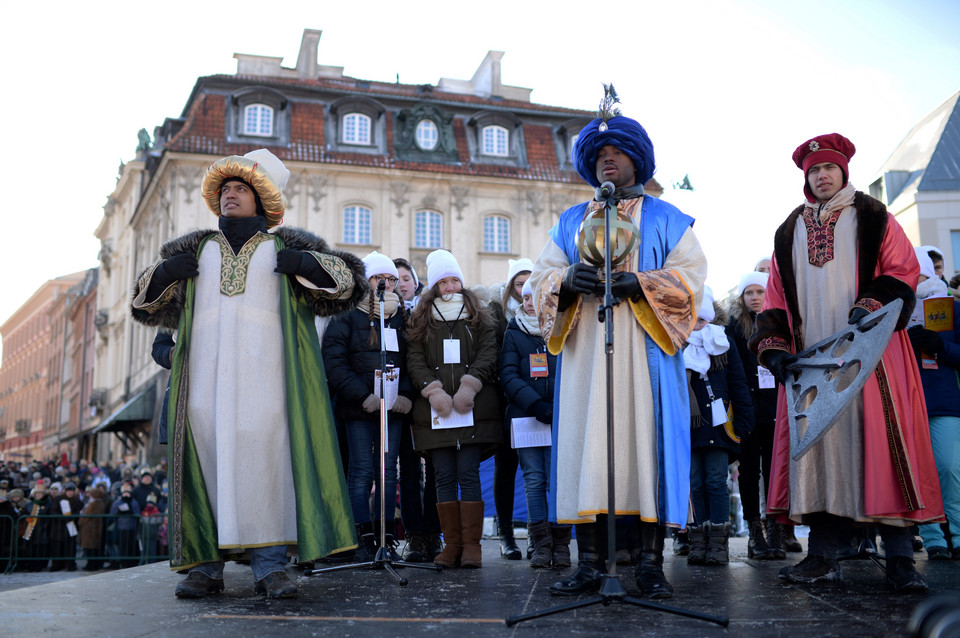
725	88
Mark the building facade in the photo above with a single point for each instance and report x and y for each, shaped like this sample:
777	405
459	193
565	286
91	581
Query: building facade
472	166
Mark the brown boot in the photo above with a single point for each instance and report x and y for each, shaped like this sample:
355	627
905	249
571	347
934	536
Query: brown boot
449	513
471	522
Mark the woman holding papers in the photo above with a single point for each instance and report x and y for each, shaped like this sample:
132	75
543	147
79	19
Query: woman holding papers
351	359
452	361
527	375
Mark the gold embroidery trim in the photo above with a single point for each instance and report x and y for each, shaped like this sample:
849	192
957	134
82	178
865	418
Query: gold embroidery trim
898	451
339	271
234	268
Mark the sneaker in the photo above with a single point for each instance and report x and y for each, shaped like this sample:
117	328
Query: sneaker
198	585
938	553
276	585
812	569
903	576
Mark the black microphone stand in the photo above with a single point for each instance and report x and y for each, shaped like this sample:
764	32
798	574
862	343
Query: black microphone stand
611	589
382	559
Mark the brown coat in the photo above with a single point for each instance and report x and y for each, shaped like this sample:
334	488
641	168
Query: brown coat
91	529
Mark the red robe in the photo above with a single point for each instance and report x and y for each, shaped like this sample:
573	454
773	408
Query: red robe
900	482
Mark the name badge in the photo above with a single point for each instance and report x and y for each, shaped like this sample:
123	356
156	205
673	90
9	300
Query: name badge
718	412
538	365
451	351
765	378
390	342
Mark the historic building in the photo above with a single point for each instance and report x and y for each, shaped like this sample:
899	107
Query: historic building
920	182
472	166
32	351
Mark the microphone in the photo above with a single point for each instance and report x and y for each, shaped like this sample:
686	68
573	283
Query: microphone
381	288
605	191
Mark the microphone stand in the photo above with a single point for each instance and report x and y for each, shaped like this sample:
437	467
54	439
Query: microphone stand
611	589
382	559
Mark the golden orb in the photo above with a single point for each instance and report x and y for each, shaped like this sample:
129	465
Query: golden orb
590	238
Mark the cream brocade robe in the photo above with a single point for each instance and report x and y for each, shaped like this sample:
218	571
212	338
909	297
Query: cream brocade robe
581	491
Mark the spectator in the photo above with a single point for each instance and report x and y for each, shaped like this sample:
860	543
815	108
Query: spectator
91	528
127	511
63	531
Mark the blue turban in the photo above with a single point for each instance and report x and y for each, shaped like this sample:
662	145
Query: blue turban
622	132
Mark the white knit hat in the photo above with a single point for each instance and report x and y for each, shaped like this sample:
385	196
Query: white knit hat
926	264
379	264
440	265
752	279
518	266
706	306
527	288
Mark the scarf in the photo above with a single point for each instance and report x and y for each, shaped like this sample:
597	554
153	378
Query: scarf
931	288
838	202
711	340
390	304
239	230
528	323
511	308
449	308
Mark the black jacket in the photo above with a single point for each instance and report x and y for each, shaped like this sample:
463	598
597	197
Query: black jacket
522	390
728	383
765	400
350	361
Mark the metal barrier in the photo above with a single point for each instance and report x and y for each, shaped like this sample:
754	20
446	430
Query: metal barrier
30	547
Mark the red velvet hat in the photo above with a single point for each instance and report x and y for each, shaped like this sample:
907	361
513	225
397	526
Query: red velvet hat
824	148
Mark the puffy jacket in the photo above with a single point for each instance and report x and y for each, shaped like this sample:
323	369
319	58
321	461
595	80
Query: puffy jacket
350	361
764	400
941	387
522	390
728	383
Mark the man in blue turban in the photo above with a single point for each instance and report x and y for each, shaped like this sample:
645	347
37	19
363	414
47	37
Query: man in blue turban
658	282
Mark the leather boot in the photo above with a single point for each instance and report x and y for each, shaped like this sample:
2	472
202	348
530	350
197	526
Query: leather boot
698	545
366	543
681	543
590	566
790	542
775	539
561	545
508	544
471	524
434	546
649	572
718	551
757	546
449	513
542	541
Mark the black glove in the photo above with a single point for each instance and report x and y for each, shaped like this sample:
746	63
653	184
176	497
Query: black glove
580	279
290	261
182	266
776	361
625	285
543	411
926	340
857	314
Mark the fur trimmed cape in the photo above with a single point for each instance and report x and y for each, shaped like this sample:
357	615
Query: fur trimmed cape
169	316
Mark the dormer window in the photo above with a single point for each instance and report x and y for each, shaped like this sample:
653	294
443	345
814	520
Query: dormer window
496	141
356	129
258	120
427	135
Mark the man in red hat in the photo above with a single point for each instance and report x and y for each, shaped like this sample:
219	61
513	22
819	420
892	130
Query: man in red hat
839	256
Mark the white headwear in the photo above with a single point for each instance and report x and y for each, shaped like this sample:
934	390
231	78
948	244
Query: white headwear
760	261
440	265
527	289
928	248
379	264
518	266
706	306
926	264
752	279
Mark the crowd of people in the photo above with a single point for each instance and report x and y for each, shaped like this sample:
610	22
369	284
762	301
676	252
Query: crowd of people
290	354
60	515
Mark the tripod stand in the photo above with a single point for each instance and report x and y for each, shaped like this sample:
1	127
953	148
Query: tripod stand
611	590
382	560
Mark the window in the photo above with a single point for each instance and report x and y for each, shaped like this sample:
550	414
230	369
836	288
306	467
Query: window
495	141
573	145
356	129
428	227
356	225
496	234
427	135
258	120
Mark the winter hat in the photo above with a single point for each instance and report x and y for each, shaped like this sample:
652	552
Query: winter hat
527	288
929	249
379	264
752	279
15	493
620	131
70	486
706	306
261	169
56	486
824	148
440	265
413	271
926	264
518	266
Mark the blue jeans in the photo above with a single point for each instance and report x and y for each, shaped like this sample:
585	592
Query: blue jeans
535	462
945	439
708	485
263	561
363	442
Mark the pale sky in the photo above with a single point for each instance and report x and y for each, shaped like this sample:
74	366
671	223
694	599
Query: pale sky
725	88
